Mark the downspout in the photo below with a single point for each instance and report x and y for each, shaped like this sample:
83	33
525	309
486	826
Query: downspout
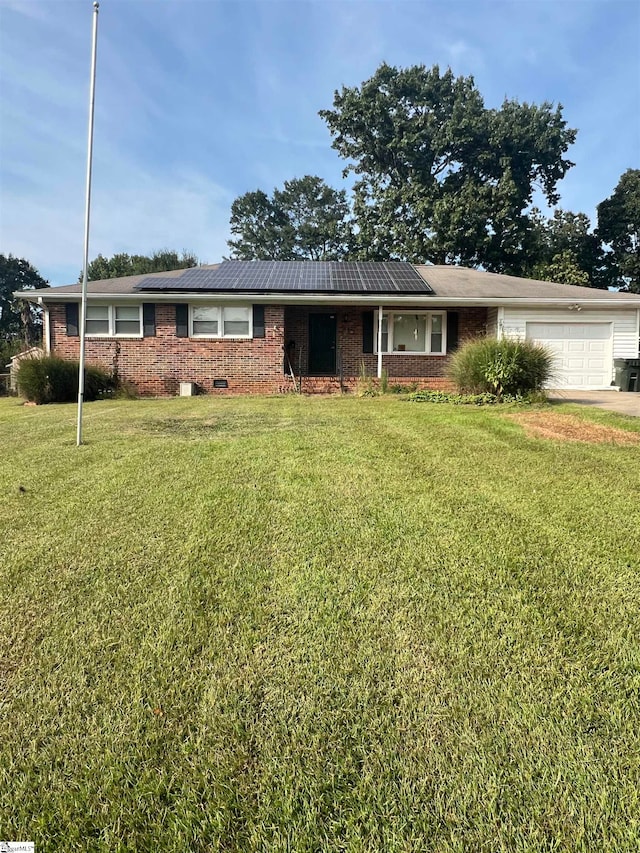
380	342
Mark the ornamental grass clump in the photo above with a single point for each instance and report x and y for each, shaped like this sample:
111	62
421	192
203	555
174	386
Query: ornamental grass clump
504	367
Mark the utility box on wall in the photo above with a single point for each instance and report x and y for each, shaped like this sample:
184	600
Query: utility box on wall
187	389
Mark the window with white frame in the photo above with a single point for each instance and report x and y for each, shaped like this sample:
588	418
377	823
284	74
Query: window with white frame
127	319
412	332
220	321
114	321
205	321
97	320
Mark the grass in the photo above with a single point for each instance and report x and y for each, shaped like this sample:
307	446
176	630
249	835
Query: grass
290	624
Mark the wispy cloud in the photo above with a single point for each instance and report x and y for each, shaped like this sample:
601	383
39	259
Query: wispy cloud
181	210
26	8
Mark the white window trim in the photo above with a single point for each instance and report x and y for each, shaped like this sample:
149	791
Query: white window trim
111	313
220	312
428	314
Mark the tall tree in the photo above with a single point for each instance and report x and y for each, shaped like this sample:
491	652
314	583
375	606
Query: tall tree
571	232
563	248
123	264
317	215
619	228
20	322
441	177
306	219
563	267
262	229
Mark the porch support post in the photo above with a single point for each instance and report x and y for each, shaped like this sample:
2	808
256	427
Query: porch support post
380	342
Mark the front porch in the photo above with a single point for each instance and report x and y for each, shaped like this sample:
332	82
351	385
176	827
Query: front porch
314	348
328	349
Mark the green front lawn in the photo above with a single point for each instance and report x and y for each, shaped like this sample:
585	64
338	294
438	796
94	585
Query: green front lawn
289	624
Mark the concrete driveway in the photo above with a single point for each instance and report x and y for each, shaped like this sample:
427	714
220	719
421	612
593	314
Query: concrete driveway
615	401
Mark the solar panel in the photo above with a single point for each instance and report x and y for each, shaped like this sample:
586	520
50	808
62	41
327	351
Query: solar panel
296	277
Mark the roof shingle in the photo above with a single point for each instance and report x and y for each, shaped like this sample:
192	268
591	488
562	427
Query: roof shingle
340	279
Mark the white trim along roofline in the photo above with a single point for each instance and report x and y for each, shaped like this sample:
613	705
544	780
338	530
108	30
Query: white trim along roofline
433	301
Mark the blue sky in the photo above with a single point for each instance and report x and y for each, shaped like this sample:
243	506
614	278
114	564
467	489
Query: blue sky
198	101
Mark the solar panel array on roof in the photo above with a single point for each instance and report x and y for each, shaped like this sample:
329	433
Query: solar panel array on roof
297	276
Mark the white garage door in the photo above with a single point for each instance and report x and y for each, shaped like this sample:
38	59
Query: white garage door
582	353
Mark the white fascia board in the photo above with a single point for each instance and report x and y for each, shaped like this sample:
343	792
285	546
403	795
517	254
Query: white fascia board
433	301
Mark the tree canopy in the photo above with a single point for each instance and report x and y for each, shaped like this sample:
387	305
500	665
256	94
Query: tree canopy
306	219
123	264
619	229
563	248
563	267
19	321
440	177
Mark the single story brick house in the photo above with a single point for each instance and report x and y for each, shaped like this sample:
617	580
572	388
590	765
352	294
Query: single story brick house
267	326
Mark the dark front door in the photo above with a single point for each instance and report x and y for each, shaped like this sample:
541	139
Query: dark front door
322	344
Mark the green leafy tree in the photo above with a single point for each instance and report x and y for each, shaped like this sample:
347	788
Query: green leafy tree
123	264
20	322
261	228
306	219
317	215
563	248
563	268
440	177
619	229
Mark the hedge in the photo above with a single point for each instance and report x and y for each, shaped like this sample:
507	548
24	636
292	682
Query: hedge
55	380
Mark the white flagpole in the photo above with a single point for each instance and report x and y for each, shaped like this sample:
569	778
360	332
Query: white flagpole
380	342
83	309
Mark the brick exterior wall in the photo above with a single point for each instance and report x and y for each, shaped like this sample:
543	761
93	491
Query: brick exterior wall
427	371
156	365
